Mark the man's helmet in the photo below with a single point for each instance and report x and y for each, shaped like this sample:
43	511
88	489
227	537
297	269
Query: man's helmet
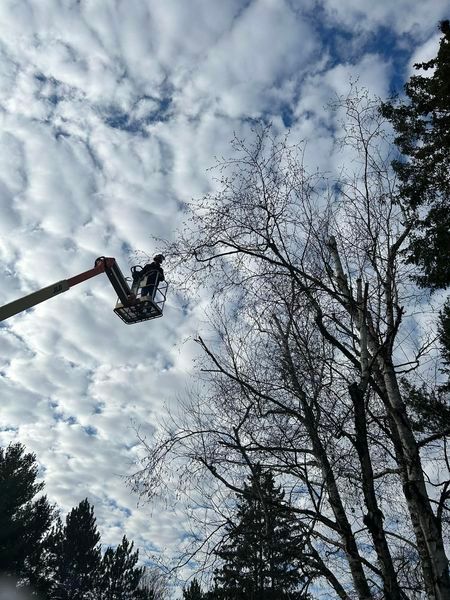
158	258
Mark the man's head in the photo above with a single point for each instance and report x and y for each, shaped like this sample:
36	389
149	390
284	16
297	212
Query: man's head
158	258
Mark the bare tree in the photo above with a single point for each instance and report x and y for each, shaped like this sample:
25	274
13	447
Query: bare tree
154	584
306	363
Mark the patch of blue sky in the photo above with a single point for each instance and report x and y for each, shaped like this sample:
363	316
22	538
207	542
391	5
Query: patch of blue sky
396	50
341	45
90	431
9	429
99	408
58	415
126	248
187	308
52	90
287	115
40	77
150	548
167	365
125	121
114	505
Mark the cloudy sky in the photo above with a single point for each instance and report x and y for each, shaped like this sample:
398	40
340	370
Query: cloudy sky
111	112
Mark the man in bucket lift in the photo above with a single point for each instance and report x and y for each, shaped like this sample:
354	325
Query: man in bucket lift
154	273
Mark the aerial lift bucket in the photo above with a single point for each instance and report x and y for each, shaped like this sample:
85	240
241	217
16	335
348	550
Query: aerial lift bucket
143	308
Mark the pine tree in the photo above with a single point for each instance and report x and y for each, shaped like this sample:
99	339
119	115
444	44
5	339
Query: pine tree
77	556
119	576
24	519
262	552
62	562
422	127
193	591
444	334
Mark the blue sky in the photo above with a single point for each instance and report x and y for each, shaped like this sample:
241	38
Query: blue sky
111	112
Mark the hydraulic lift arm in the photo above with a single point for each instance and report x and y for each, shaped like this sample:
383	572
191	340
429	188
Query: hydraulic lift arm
102	265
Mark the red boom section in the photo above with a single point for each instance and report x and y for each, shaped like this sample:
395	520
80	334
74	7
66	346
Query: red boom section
109	266
101	264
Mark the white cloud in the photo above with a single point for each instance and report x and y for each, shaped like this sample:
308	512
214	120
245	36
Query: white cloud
424	53
402	16
242	74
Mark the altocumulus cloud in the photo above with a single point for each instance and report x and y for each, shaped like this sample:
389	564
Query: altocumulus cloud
110	114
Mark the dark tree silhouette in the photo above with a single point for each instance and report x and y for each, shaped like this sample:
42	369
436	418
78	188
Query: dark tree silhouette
422	126
77	555
119	576
54	560
24	519
193	591
444	335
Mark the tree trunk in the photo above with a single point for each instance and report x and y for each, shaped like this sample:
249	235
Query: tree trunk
413	481
351	548
345	530
415	490
374	517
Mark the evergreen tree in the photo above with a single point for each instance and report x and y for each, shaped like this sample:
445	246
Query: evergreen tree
444	334
193	591
444	339
24	519
62	562
262	552
422	126
77	556
119	576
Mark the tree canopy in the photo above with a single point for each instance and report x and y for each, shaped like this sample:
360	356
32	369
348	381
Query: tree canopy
119	574
56	560
422	126
193	591
25	517
77	554
316	365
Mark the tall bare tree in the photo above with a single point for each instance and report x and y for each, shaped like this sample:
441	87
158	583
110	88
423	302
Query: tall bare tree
314	335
